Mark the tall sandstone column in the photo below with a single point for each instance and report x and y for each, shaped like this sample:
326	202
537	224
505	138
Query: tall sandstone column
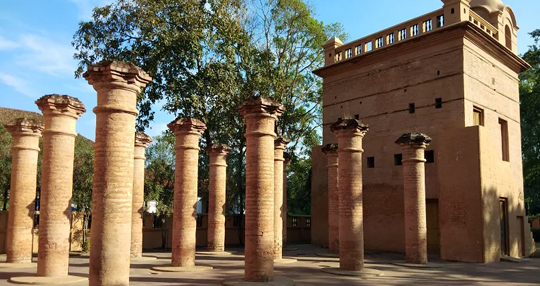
413	146
279	147
141	142
331	151
60	113
117	85
260	114
350	133
284	212
217	196
187	132
24	153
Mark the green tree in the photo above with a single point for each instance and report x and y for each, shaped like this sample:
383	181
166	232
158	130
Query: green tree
530	125
5	165
208	56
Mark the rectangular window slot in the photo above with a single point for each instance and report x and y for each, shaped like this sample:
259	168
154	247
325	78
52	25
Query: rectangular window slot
371	162
348	53
369	46
478	116
414	30
359	49
440	21
504	139
294	221
308	222
411	108
397	159
438	102
391	38
402	35
379	42
357	116
428	25
430	156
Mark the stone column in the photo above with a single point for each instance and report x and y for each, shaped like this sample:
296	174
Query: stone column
117	85
60	113
24	160
331	151
350	133
187	132
141	142
284	211
413	146
260	114
217	196
279	147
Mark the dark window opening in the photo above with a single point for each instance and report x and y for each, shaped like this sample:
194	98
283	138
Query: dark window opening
508	37
411	108
504	140
308	222
414	30
348	53
428	25
358	49
371	162
199	220
402	35
158	222
330	55
379	42
391	38
440	21
438	72
339	119
294	221
237	220
452	11
438	102
397	159
357	116
430	156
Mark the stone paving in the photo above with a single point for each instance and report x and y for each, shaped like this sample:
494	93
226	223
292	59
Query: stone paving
307	271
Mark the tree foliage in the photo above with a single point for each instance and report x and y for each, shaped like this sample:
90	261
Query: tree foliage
206	57
530	125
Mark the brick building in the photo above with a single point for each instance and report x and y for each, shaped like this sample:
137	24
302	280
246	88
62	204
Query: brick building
452	74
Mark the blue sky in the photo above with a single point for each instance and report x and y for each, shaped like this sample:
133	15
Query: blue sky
36	57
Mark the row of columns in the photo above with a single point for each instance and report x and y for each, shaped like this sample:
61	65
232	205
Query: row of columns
345	210
118	187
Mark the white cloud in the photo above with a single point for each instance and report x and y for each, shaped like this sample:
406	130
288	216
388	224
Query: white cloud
85	7
6	44
18	84
46	55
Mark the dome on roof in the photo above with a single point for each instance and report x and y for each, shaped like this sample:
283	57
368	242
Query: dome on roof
490	5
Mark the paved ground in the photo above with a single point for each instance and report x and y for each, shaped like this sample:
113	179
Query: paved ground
307	271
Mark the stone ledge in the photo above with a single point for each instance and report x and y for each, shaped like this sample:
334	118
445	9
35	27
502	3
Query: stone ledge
37	280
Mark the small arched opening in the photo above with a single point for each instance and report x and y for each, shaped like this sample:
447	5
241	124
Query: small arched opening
508	37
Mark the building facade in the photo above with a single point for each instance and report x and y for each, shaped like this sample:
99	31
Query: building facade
452	74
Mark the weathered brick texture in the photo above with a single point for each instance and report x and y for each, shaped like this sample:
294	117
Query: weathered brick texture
117	85
187	132
279	147
217	196
24	150
331	151
141	142
350	133
260	114
60	113
413	146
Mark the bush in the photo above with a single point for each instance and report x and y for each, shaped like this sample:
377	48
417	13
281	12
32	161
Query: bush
86	245
536	234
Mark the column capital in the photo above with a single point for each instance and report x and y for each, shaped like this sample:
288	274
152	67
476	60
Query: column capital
61	105
419	140
121	74
187	126
25	127
287	158
330	149
142	140
349	126
281	142
261	105
218	149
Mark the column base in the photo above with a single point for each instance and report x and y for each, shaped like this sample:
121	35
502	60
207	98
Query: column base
38	280
143	258
11	265
364	273
170	268
284	260
418	265
278	281
327	254
216	253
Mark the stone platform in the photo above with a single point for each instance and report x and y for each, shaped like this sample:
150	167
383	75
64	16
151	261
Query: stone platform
307	271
